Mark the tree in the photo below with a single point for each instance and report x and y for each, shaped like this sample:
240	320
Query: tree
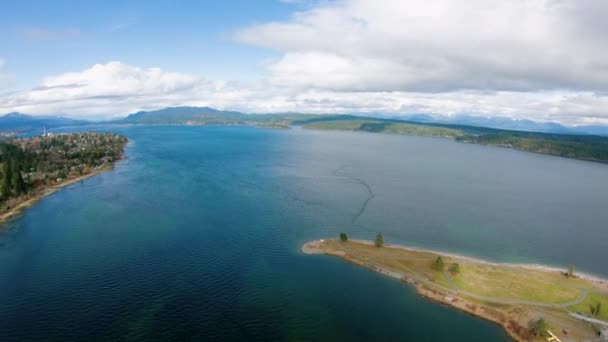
454	268
20	186
343	237
6	179
379	242
539	327
570	272
596	309
438	264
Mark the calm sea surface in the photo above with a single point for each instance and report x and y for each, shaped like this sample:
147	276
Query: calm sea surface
196	236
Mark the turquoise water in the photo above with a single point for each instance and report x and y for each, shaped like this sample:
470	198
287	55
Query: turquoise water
196	236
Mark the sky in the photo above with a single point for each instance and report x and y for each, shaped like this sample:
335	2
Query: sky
541	60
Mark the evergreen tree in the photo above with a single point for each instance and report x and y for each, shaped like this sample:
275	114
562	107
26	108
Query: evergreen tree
438	264
596	310
6	178
18	183
20	186
379	242
343	237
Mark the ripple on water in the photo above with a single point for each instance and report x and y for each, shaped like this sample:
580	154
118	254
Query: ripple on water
198	236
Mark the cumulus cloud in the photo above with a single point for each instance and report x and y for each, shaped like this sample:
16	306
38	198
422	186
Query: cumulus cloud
115	89
544	60
106	89
441	45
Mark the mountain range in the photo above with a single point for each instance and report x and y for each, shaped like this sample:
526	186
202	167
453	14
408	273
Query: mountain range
18	122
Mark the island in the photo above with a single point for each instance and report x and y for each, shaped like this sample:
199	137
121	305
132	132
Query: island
530	302
32	168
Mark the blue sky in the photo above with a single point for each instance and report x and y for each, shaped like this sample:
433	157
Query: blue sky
543	60
49	37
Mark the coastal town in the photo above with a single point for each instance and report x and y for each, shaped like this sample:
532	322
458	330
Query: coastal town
31	168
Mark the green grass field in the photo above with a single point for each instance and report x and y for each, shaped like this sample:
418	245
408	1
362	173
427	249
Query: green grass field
514	283
591	300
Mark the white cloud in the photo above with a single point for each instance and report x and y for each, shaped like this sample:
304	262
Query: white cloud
115	89
544	60
441	45
105	90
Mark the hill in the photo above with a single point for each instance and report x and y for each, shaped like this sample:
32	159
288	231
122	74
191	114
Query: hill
184	116
198	116
578	146
18	122
584	147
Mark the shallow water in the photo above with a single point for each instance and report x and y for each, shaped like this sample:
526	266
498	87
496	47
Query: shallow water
196	235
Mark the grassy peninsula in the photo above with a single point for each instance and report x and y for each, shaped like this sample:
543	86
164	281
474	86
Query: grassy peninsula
528	301
31	168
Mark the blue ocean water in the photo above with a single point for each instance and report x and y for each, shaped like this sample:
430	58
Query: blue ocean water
196	236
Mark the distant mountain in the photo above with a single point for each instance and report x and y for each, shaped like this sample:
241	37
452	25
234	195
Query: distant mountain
18	122
505	123
578	146
184	116
511	124
211	116
597	130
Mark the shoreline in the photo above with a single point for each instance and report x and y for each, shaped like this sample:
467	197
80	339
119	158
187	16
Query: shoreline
450	297
47	191
603	282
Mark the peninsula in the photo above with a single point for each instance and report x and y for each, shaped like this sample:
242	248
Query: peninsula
32	168
530	302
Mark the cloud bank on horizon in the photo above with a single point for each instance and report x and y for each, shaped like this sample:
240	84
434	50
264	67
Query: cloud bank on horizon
544	60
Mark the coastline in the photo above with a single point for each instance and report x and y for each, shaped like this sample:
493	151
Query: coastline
455	298
19	208
598	280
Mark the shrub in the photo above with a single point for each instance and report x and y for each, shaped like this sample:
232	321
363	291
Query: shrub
438	264
343	237
454	268
379	242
